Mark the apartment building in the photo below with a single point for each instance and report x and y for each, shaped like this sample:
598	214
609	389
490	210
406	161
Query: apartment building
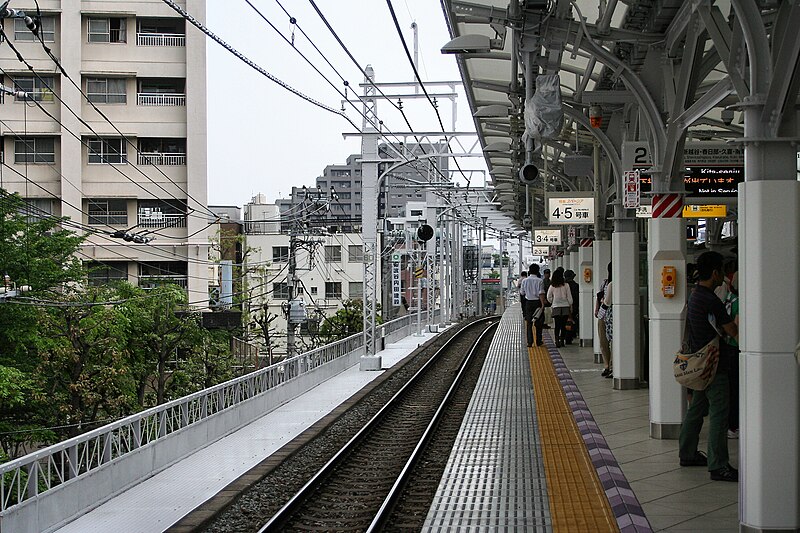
141	171
329	269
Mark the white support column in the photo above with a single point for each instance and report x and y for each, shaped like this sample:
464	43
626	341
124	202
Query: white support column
573	262
769	248
601	257
586	320
625	301
666	247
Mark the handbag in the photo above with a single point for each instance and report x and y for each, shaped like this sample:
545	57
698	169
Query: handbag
602	311
696	370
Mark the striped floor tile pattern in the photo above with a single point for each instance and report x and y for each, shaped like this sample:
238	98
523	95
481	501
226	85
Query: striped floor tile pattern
624	504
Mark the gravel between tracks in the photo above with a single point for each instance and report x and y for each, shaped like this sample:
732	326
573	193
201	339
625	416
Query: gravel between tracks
253	508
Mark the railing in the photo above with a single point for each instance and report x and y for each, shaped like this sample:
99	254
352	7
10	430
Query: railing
160	39
162	220
151	282
160	99
157	158
42	471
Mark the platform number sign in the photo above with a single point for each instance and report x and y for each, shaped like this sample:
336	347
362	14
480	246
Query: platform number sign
547	237
571	211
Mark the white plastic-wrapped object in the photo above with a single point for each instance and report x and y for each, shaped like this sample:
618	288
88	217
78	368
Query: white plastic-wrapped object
543	114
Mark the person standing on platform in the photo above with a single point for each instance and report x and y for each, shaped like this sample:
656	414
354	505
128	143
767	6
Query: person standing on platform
569	277
732	307
521	291
706	317
560	297
600	310
534	300
548	315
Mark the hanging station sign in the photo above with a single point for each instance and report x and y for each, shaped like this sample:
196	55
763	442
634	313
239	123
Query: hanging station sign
711	169
570	208
540	251
689	211
547	237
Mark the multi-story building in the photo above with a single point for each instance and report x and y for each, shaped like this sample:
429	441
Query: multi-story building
142	171
328	269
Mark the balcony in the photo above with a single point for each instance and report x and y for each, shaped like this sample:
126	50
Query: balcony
151	282
160	39
155	218
163	100
160	159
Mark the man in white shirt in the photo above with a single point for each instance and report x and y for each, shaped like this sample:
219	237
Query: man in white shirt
533	288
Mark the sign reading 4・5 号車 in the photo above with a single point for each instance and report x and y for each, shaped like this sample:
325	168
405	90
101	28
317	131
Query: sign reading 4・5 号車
571	209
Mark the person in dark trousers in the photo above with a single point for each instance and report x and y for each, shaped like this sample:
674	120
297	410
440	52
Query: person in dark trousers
569	276
534	299
560	298
706	318
522	276
548	312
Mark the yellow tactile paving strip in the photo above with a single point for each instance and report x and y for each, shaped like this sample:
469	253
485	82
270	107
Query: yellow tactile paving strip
577	499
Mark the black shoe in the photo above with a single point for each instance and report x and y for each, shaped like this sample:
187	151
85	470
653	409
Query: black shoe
530	345
699	459
545	327
606	372
726	473
539	344
609	375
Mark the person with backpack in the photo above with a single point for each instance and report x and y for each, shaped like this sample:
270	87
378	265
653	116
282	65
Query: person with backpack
600	311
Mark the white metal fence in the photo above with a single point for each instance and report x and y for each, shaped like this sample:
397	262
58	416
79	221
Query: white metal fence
160	39
161	159
28	478
159	99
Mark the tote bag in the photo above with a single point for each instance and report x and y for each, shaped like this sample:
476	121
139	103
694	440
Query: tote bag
696	370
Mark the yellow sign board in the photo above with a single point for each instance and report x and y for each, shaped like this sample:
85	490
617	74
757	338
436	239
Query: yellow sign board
705	211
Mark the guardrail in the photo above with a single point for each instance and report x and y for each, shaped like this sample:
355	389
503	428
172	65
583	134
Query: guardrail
157	158
160	99
26	479
160	39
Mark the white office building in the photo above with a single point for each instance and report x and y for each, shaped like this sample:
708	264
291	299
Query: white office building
141	171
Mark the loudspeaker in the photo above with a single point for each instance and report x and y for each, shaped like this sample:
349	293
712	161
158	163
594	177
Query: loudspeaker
528	174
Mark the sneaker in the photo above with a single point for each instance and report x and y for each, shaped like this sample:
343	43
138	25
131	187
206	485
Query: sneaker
610	375
726	473
699	459
605	372
733	433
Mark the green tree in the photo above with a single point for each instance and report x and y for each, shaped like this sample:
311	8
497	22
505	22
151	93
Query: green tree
82	366
345	322
207	363
21	408
157	331
38	252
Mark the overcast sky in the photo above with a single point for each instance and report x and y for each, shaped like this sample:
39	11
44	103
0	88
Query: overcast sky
263	138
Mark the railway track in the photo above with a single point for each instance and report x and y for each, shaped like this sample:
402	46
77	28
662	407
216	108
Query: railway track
358	488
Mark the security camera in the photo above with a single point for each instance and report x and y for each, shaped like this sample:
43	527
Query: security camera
727	116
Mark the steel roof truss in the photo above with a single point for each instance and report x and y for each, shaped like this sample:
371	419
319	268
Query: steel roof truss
720	34
783	88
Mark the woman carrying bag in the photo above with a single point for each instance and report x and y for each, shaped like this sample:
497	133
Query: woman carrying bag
560	296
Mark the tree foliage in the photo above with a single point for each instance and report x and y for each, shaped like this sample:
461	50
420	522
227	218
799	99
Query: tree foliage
345	322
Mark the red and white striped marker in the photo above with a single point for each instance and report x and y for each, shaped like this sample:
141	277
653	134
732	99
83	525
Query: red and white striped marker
586	243
667	205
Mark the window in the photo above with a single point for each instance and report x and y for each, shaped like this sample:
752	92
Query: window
280	254
333	254
37	208
313	291
113	212
105	273
280	291
344	195
161	213
107	30
355	253
108	151
356	290
162	151
39	88
156	273
47	30
106	90
35	150
333	290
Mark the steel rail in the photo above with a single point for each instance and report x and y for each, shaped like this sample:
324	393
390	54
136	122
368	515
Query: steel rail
284	514
399	485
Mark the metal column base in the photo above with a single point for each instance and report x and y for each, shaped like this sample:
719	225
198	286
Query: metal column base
664	431
585	343
598	358
750	529
626	383
370	362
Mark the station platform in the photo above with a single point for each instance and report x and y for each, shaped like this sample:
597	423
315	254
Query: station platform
546	445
